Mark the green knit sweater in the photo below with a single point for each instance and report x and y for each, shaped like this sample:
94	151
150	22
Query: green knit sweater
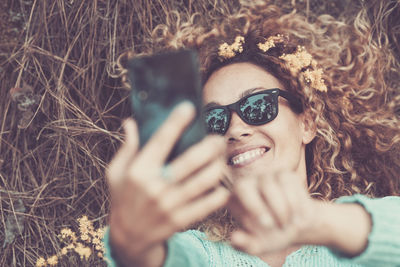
192	249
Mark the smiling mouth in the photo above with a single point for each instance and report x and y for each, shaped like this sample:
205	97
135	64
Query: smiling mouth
247	157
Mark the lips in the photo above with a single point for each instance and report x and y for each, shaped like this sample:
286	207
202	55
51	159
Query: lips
243	157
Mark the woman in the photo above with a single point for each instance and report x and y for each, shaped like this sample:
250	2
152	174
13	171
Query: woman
308	149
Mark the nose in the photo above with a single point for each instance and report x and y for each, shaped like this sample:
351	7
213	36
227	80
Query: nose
238	129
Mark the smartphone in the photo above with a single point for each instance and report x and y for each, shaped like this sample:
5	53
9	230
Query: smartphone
159	82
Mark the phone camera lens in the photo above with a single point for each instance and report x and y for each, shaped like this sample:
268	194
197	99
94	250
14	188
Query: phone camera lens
143	95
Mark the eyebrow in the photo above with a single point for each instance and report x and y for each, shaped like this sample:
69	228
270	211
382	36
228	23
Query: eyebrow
243	94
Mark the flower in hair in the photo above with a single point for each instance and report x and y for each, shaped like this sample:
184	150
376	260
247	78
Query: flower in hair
314	78
301	63
297	61
227	51
270	42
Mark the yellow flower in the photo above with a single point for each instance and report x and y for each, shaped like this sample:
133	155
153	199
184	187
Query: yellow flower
226	51
68	233
83	251
314	78
53	260
100	232
85	237
64	251
300	60
41	262
270	42
86	229
297	61
87	234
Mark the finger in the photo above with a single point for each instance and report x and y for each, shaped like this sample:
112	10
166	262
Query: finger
197	156
117	235
116	171
131	134
295	192
298	198
248	221
276	199
258	245
238	212
200	208
246	242
248	194
203	181
227	181
163	140
144	187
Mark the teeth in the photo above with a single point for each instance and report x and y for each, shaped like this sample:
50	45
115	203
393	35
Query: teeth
246	156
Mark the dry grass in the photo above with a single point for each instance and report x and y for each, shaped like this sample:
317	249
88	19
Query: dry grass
61	110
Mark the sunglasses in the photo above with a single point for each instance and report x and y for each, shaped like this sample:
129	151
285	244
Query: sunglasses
255	109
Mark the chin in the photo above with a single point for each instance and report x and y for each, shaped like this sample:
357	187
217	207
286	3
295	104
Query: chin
257	168
248	171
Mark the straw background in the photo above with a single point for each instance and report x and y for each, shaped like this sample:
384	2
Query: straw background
61	107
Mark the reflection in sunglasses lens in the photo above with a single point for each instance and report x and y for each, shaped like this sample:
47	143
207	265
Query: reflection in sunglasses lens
258	108
217	120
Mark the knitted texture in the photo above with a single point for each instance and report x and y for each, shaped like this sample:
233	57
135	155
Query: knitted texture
192	249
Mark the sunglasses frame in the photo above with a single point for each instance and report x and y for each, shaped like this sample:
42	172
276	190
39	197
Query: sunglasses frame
274	92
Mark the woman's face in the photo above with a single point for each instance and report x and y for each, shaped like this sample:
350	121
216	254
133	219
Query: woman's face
254	150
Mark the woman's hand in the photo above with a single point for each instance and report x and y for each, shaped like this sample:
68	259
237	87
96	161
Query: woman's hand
147	208
277	213
274	212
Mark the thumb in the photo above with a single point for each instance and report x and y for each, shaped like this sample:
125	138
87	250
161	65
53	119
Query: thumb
118	166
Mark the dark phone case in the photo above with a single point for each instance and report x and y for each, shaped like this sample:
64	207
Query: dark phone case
159	82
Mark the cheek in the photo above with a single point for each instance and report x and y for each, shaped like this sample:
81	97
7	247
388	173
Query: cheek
287	131
292	139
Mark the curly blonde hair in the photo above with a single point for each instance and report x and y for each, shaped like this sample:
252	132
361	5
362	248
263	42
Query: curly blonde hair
356	149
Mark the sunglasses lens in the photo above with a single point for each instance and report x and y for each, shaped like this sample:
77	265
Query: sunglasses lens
259	109
216	120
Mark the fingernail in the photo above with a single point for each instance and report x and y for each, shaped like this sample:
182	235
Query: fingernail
127	121
237	238
185	107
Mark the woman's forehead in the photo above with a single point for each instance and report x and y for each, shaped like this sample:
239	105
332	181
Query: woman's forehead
231	82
